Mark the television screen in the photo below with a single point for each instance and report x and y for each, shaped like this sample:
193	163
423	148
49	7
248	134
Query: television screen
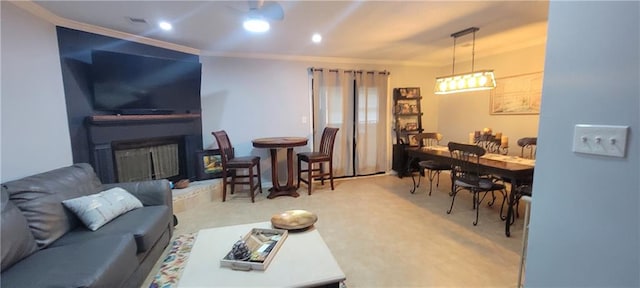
135	84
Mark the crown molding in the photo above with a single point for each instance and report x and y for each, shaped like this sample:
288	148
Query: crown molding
50	17
303	58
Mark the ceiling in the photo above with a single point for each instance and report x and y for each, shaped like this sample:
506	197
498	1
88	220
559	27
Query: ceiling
372	31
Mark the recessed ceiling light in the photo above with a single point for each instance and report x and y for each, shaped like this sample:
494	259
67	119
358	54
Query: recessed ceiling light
256	25
164	25
316	38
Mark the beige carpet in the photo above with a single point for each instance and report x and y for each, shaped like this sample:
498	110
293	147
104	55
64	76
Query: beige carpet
384	236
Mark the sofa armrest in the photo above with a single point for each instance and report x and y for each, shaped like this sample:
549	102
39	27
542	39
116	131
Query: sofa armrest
150	193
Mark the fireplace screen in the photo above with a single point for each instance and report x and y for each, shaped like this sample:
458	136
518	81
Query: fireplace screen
146	163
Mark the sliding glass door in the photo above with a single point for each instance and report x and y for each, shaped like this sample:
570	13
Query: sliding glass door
355	102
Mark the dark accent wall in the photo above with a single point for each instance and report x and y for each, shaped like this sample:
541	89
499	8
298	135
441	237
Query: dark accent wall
75	59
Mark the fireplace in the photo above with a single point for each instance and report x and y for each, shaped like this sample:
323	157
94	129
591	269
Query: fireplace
127	148
147	159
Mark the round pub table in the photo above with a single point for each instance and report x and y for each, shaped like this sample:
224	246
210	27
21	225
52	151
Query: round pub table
273	144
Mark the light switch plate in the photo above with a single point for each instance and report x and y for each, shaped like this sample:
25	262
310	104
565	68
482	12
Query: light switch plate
607	140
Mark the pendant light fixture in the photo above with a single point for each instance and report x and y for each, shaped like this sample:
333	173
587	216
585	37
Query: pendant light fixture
473	81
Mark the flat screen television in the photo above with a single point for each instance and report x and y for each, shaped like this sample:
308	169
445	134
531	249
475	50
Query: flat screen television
135	84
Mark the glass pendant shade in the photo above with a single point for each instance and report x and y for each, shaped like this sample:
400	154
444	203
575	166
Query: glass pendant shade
474	81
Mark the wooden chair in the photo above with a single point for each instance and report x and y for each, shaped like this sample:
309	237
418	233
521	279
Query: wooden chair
468	175
231	165
325	155
432	167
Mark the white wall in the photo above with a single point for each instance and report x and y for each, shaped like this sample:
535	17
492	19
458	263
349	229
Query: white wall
462	113
585	220
35	134
253	98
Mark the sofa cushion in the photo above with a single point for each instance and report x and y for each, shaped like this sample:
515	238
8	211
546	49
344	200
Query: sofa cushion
146	224
97	209
40	197
99	262
17	240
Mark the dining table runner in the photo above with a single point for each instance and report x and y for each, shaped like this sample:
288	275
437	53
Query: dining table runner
493	156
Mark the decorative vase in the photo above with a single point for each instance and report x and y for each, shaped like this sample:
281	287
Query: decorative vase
240	251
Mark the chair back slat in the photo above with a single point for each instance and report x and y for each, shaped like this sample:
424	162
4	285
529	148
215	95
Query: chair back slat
466	162
328	139
224	144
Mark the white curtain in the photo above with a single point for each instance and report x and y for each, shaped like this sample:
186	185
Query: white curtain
332	108
371	129
336	93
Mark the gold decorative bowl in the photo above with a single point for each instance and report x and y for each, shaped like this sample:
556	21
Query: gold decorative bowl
293	219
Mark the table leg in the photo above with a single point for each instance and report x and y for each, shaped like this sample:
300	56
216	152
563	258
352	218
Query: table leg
290	167
274	169
510	204
288	189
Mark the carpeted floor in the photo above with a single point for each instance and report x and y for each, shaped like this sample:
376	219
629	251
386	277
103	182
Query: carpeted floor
382	235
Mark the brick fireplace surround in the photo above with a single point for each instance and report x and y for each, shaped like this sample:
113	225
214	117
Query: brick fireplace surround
106	131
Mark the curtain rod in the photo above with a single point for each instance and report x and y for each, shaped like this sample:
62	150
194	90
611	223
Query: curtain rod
385	72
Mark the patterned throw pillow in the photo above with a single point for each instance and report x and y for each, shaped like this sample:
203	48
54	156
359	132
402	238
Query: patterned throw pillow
98	209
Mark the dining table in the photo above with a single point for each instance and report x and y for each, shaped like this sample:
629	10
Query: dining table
274	144
514	169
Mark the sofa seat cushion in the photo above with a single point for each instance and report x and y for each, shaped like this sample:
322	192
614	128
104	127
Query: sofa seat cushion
146	224
99	262
17	240
40	197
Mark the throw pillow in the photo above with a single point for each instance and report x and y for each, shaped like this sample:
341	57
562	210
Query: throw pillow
98	209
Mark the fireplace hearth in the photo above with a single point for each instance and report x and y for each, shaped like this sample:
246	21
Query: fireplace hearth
137	147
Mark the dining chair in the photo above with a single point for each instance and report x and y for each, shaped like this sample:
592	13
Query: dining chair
432	167
467	174
231	165
528	145
323	156
524	186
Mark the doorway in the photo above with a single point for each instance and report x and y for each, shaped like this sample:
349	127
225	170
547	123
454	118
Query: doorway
357	103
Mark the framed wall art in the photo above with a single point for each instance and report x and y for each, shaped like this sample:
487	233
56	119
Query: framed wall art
518	94
209	164
412	140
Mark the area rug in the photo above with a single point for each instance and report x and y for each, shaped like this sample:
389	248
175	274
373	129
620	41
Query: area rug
173	265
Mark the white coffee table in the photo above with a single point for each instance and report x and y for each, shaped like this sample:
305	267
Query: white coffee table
304	260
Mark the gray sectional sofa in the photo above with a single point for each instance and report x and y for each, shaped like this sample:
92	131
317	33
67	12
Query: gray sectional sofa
44	244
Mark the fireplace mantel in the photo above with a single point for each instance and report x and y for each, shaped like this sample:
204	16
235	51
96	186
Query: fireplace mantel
105	130
119	119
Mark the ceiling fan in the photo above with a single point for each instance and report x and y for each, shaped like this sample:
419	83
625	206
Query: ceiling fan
270	10
261	13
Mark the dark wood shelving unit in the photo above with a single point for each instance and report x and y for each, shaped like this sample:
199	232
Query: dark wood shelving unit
407	123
